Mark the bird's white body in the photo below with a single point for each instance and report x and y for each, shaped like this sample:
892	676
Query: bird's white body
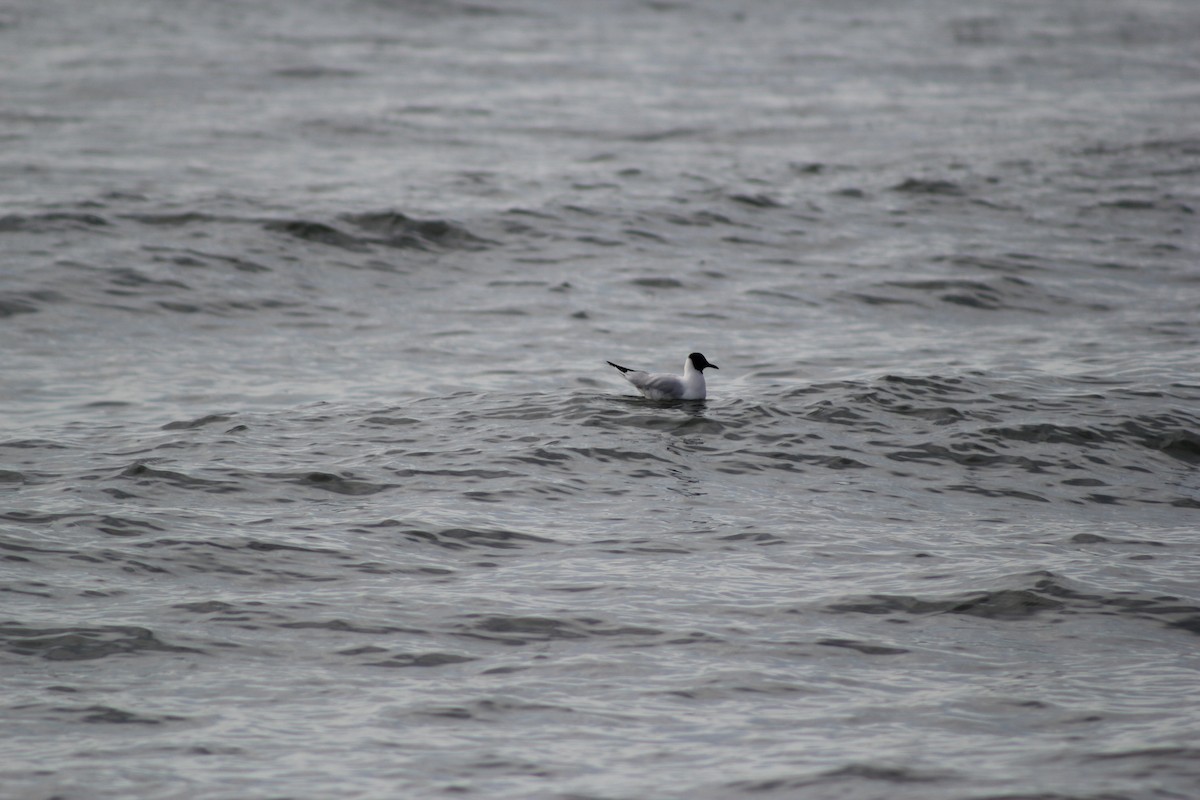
662	386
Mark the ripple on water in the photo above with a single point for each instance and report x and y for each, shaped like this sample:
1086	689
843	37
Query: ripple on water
83	643
1035	595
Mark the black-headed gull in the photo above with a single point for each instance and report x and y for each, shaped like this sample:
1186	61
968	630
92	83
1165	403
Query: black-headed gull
660	386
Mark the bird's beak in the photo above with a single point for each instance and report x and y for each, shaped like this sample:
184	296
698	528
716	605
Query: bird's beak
714	366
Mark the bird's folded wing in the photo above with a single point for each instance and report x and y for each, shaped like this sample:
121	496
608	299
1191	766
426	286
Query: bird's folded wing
665	387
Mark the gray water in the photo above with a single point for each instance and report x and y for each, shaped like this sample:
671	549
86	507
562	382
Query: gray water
316	484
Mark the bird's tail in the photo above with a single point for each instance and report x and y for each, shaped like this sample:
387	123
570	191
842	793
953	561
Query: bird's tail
618	366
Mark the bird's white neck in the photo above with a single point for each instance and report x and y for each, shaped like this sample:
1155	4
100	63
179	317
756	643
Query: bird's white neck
693	379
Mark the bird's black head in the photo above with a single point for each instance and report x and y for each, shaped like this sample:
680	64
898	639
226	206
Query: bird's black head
700	362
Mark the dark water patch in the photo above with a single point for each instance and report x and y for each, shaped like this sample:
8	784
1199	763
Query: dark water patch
668	134
247	615
703	219
524	228
657	283
51	222
83	643
388	422
33	444
927	385
1046	593
777	294
489	710
1006	604
28	588
145	475
966	427
180	308
934	187
879	299
600	241
941	415
30	302
406	660
338	484
991	491
390	229
197	259
526	630
235	555
108	404
393	229
318	233
460	538
342	626
1127	204
174	219
261	546
759	538
121	526
940	401
206	607
14	547
108	715
641	234
513	767
199	422
608	455
866	648
1007	293
834	779
122	560
314	72
1095	538
1080	438
1189	624
1001	604
523	283
501	312
756	200
639	546
1181	445
1171	434
979	31
1009	264
543	457
483	474
1057	796
839	462
724	689
1187	755
129	278
828	411
971	457
1162	205
382	567
1049	433
759	460
747	241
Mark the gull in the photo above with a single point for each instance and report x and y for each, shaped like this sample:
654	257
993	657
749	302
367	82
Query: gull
660	386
